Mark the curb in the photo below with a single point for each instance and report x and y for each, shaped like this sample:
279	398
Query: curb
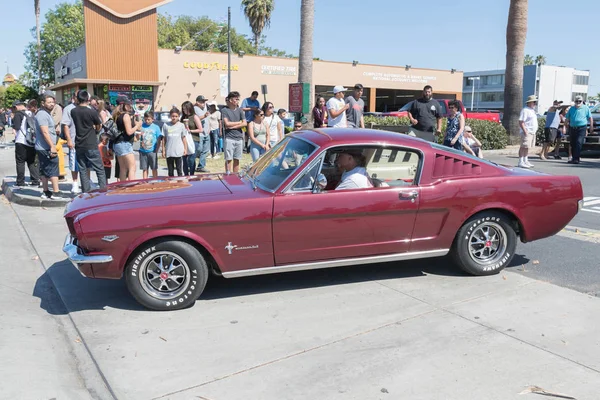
13	195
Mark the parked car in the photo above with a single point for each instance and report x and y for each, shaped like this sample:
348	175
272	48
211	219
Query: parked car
484	115
283	214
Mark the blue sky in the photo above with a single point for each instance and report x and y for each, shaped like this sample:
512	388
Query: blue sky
461	34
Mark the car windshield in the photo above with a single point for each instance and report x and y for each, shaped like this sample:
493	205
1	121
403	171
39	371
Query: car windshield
595	109
277	165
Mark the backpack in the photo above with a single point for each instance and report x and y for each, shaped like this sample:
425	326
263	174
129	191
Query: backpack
110	129
28	127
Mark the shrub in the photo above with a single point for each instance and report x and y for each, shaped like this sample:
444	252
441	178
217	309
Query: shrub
539	135
492	135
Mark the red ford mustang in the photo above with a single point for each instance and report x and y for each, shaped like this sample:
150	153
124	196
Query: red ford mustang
284	214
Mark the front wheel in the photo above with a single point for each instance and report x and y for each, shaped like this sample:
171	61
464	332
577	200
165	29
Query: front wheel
167	275
485	244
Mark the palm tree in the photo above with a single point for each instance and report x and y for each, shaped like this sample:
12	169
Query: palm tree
528	60
540	60
305	60
516	33
258	13
36	5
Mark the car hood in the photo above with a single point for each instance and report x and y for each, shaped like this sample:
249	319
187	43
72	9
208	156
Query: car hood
156	189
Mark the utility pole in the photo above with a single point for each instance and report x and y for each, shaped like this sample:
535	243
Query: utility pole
228	49
472	79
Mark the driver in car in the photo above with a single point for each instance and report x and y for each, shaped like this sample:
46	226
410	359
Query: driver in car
352	162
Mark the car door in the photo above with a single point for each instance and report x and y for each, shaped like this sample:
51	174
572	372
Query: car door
330	224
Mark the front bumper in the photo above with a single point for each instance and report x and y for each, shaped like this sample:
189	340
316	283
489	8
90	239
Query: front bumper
77	258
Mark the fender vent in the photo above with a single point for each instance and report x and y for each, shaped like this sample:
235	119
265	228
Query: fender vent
447	167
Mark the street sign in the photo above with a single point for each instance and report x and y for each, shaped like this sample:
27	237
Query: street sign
299	98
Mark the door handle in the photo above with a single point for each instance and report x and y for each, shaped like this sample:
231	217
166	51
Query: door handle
412	195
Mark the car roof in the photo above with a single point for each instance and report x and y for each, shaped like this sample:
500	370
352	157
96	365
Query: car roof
325	137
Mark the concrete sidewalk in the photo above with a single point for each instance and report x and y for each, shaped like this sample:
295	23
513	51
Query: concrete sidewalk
413	330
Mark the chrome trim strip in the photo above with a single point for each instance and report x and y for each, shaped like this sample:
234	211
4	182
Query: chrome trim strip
338	263
74	254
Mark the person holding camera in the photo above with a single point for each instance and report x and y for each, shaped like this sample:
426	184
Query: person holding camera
45	146
128	124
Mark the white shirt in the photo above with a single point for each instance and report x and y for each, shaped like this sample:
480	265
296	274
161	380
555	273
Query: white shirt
272	122
20	134
356	178
340	121
529	117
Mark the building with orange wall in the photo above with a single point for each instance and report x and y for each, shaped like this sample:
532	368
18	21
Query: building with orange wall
108	65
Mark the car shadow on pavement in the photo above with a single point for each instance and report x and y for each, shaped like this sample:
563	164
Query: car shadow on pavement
219	287
62	290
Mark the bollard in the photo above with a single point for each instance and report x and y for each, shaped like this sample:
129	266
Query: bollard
61	158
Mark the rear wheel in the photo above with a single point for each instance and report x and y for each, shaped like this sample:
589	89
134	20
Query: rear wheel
485	244
167	275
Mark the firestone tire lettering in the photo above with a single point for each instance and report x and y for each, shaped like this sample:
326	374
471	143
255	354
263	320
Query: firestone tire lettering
198	275
460	248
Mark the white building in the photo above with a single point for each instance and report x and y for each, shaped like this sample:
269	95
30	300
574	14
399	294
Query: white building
548	82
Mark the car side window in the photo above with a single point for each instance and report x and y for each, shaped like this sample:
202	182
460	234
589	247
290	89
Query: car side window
389	166
306	181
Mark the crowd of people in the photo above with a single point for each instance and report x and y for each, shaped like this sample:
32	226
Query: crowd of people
199	130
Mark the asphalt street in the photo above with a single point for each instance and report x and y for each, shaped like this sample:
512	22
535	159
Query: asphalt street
570	259
420	330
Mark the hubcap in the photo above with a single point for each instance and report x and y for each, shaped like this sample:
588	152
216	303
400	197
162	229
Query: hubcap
487	243
164	275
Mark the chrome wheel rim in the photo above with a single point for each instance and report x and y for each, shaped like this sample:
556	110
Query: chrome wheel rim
164	275
487	243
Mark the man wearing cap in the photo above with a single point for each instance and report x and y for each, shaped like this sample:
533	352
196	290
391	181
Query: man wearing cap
551	128
354	114
577	119
24	151
529	125
203	146
354	175
425	114
336	107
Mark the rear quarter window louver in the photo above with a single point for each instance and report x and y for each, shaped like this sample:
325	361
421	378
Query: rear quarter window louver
448	167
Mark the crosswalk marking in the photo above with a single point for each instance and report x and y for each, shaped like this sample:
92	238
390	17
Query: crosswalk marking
591	204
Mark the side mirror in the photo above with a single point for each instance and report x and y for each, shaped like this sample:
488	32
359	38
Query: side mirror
321	183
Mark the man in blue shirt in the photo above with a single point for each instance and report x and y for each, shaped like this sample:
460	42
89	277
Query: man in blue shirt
248	106
577	120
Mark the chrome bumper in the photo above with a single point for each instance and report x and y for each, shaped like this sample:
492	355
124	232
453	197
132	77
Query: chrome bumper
76	256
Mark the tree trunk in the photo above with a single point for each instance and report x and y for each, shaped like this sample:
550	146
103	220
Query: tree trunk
516	34
36	4
305	61
256	37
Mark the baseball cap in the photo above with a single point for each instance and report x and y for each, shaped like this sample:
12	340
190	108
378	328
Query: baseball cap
17	103
201	98
338	89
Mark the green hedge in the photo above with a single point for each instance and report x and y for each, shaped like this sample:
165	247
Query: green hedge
492	135
539	135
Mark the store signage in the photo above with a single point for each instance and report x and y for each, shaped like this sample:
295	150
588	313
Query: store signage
299	95
409	78
215	66
277	70
76	67
119	88
141	88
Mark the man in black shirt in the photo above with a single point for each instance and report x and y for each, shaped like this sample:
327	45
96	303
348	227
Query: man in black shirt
425	113
87	124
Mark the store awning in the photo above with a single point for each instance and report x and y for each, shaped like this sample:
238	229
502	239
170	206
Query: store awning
72	82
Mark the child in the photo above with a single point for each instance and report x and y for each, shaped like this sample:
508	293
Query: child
150	138
106	155
175	144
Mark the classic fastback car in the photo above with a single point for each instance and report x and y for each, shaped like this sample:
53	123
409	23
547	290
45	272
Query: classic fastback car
284	214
